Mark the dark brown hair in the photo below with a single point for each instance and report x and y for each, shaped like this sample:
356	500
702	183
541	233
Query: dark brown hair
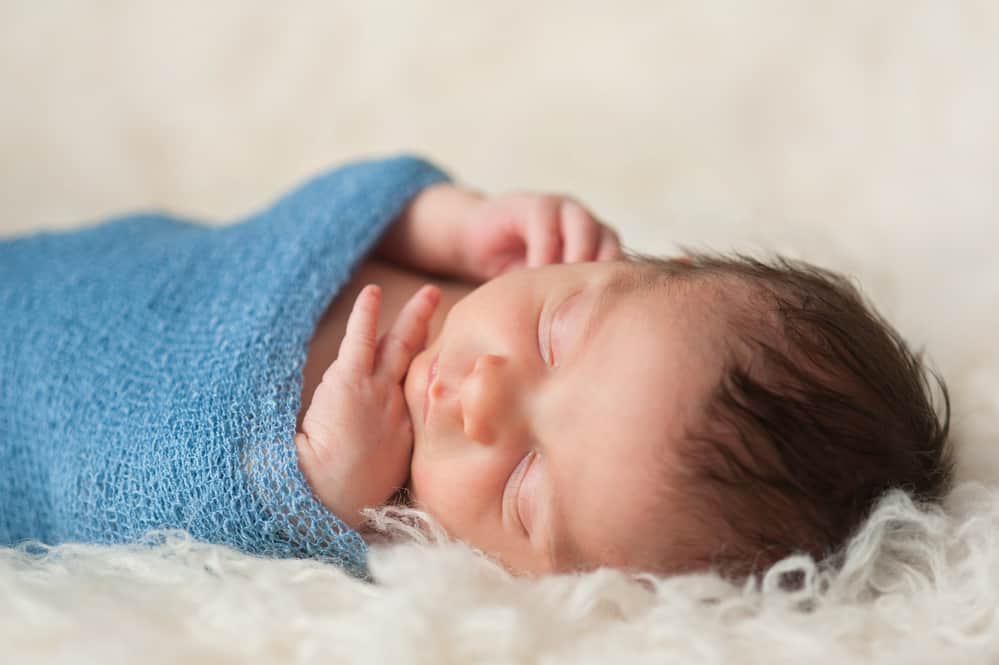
821	408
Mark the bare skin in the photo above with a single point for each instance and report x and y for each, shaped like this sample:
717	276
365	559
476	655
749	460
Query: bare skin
355	437
483	442
526	387
398	284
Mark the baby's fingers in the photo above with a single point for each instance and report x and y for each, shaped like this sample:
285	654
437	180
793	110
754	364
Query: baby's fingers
580	233
610	246
408	334
357	348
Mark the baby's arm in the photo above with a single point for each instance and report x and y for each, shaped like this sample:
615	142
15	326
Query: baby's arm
455	232
426	235
357	439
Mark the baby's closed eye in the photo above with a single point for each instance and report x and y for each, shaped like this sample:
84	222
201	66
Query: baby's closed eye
527	492
513	495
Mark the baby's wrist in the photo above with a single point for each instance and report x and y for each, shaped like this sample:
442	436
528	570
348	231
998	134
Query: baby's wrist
343	492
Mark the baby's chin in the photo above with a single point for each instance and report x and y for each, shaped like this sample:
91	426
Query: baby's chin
410	388
412	410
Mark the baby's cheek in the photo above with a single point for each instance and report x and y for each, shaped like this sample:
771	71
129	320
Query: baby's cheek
430	490
425	485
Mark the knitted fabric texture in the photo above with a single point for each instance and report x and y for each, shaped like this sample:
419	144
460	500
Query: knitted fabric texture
151	369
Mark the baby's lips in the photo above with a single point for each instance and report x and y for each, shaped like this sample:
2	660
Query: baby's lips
432	372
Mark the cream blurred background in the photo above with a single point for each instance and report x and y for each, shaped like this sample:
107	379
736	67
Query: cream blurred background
861	135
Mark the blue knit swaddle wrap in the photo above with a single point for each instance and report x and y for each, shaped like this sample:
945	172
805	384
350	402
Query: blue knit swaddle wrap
151	369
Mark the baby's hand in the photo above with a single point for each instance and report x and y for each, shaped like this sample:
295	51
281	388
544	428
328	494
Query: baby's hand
357	439
512	231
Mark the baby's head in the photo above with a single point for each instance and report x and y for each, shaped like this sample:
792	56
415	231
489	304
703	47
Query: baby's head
667	415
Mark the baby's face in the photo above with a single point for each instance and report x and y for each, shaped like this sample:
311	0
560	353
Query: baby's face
549	419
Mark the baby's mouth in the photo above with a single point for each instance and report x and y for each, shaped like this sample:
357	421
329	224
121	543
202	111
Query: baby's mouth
431	375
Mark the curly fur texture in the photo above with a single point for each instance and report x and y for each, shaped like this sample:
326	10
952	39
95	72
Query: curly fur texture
910	590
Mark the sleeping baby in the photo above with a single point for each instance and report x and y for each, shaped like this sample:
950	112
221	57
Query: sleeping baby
383	335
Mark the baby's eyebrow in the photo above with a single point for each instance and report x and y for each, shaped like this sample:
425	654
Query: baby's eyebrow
564	551
606	297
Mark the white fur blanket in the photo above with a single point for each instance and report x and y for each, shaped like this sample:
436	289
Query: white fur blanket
858	135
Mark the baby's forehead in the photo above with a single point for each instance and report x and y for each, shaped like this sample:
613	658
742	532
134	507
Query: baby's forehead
672	342
654	371
693	294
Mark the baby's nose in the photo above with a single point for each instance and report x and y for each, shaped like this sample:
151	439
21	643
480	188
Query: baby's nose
484	397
